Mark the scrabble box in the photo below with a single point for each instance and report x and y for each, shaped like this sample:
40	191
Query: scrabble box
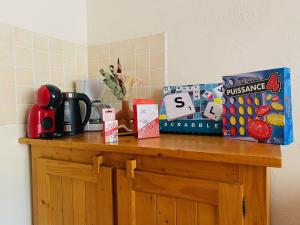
192	109
145	118
257	106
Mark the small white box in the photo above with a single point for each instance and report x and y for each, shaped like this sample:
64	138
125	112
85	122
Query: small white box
108	114
110	126
110	131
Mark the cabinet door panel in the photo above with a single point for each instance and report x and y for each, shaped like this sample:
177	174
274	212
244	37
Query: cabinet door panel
73	194
105	209
125	199
79	203
155	199
145	202
186	188
207	214
186	212
91	203
56	199
230	198
152	209
166	210
67	189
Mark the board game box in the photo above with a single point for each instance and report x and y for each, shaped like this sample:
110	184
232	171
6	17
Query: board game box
257	106
192	109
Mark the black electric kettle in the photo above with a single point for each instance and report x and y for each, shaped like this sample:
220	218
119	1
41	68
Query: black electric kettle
70	114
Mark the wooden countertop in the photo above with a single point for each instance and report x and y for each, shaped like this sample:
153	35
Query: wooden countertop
195	147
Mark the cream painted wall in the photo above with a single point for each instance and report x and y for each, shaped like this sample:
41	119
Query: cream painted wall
63	19
210	38
15	197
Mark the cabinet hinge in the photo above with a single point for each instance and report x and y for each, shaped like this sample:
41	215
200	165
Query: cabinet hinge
244	207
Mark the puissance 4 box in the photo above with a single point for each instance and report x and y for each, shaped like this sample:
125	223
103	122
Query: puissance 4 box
257	106
145	118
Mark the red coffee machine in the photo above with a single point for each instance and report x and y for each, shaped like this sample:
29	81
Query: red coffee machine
42	122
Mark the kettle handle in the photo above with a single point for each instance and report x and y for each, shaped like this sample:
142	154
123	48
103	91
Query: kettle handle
87	101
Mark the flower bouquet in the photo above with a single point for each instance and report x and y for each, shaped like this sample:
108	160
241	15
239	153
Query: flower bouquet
121	86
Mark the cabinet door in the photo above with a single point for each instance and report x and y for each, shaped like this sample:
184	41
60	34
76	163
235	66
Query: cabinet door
73	194
156	199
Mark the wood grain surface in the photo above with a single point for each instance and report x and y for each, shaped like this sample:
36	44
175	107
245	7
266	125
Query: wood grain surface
204	148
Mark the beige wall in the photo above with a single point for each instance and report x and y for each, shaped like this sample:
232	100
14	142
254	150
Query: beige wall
207	39
40	42
63	19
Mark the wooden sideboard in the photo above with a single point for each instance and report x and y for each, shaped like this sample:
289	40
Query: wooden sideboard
171	180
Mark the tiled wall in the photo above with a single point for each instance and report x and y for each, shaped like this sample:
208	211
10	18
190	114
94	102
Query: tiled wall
142	57
29	59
